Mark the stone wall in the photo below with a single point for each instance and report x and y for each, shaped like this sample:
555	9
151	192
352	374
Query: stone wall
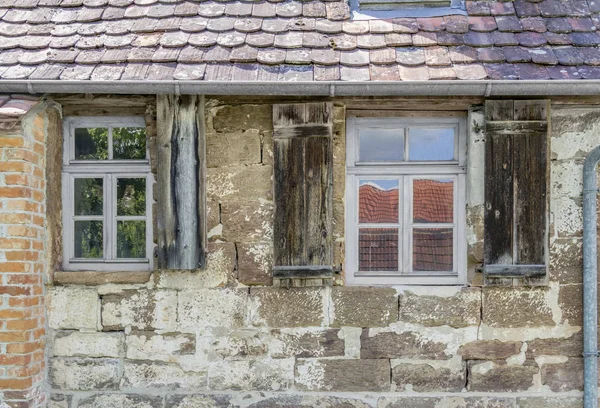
225	336
23	236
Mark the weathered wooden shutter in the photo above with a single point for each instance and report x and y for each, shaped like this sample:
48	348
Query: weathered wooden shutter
181	170
516	179
303	193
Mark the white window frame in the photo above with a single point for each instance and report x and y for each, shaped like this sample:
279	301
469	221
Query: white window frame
405	172
109	171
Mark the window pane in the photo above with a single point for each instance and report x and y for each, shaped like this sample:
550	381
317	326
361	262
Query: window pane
129	143
433	201
378	249
378	201
131	239
88	239
381	145
431	144
88	196
91	144
131	196
432	249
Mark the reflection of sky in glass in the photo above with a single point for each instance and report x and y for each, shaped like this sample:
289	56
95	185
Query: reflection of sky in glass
381	184
381	145
431	144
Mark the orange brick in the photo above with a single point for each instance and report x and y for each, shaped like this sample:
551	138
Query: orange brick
21	154
39	220
27	371
23	348
15	314
15	243
39	148
39	333
15	192
15	359
11	142
15	218
15	384
24	301
22	256
15	290
14	267
15	167
38	172
37	245
38	122
39	196
19	179
17	336
27	324
23	279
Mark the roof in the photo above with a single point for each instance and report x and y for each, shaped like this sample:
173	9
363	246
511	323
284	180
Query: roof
13	108
230	40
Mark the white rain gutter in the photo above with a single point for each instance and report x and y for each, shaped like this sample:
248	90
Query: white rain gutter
486	88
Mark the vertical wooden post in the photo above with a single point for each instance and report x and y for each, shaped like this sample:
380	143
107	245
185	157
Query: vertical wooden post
181	181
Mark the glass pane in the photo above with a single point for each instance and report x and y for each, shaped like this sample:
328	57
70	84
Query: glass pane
381	145
131	239
432	249
378	249
91	144
88	196
131	196
129	143
88	239
378	201
433	201
431	144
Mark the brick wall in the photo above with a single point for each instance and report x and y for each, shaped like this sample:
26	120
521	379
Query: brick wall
22	263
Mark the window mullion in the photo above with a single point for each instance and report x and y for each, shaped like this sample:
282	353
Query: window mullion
110	143
406	236
109	217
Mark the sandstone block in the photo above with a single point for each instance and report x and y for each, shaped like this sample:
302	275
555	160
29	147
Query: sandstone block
297	307
220	264
459	310
400	345
549	402
446	402
566	260
161	347
570	301
59	401
72	308
211	308
237	343
566	178
343	375
296	401
233	149
497	376
339	181
198	401
240	183
234	118
267	375
78	344
267	147
255	263
84	374
567	215
428	377
489	350
564	376
363	307
571	346
517	307
213	220
247	221
120	400
140	309
306	343
147	375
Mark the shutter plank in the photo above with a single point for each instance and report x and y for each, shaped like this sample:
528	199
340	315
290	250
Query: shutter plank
498	235
181	201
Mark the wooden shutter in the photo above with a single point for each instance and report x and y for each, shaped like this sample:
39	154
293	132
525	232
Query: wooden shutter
303	193
516	185
181	182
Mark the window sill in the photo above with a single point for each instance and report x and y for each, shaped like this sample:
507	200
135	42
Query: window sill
100	278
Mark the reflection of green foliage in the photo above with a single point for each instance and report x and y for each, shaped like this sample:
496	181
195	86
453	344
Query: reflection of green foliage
129	143
91	144
88	196
88	239
131	196
131	239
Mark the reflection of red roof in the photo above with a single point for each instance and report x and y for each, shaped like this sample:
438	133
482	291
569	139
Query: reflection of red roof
432	248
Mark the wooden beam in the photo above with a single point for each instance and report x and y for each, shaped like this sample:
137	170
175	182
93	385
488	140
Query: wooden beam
181	182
